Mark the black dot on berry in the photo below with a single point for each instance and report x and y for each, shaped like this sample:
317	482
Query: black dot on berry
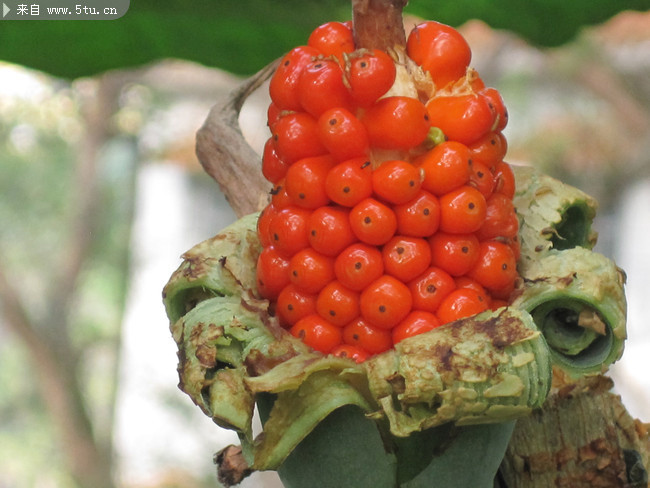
426	116
276	237
357	265
333	121
294	272
504	266
301	334
289	307
343	354
301	196
363	64
318	65
313	232
480	174
431	289
382	308
411	183
426	211
355	337
287	62
367	220
465	249
365	165
493	142
332	313
346	189
400	250
471	205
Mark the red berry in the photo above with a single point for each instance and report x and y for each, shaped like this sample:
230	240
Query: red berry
296	137
350	351
273	114
293	304
338	304
496	267
330	231
500	218
462	211
358	265
362	334
489	149
430	288
321	87
467	282
350	182
396	123
459	304
305	181
504	179
272	273
385	302
310	271
405	258
284	81
455	253
462	118
273	168
446	167
439	49
332	39
370	75
417	322
419	217
396	181
264	228
317	333
373	222
343	134
289	230
498	106
279	197
482	179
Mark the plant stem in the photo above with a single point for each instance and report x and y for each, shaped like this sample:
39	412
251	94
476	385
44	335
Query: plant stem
378	24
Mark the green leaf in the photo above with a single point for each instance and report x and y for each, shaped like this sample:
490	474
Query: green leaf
471	458
541	22
238	36
243	36
345	449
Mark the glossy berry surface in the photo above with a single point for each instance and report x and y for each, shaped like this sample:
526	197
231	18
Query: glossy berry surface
391	212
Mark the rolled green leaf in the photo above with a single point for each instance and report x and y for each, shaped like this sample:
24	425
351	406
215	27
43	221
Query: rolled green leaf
223	265
577	300
552	214
212	342
489	368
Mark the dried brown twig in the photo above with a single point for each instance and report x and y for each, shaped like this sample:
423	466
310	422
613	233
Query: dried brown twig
225	154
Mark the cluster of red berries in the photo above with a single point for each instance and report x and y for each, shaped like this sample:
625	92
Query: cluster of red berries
391	214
